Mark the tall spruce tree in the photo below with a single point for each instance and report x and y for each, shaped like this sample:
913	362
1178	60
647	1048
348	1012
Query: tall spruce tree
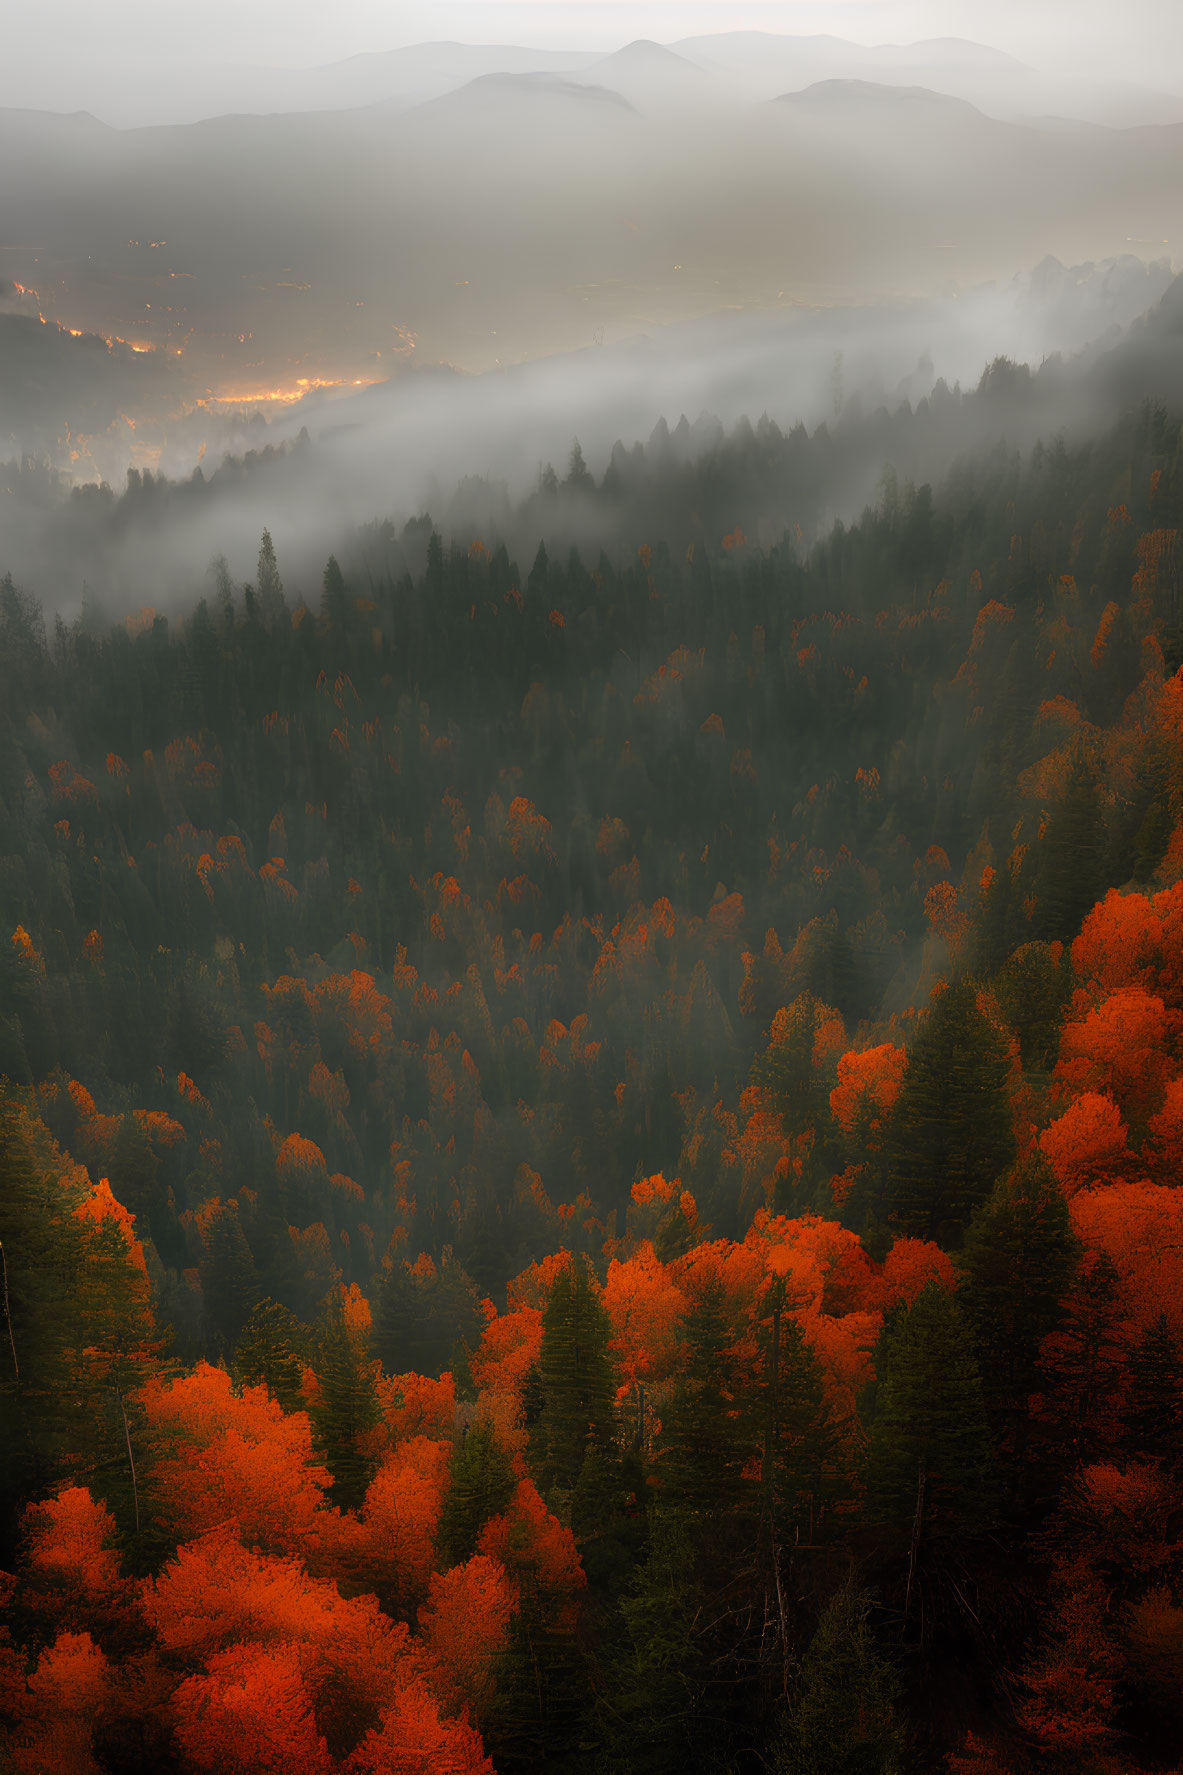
650	1712
345	1406
1081	1365
1071	856
270	1353
928	1461
1019	1257
706	1441
578	1385
843	1718
950	1136
481	1485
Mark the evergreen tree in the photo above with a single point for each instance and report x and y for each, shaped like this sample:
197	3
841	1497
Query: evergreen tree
1019	1257
229	1283
843	1717
268	585
345	1406
928	1462
1032	989
578	1385
651	1710
1081	1365
950	1136
706	1443
798	1443
423	1314
1070	873
482	1484
334	603
270	1351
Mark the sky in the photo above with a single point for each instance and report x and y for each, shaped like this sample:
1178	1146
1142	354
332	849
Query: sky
1139	38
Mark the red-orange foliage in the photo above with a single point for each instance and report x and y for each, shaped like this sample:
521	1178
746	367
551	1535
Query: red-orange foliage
101	1209
536	1551
217	1597
868	1085
251	1710
509	1348
1087	1144
394	1535
909	1266
413	1738
235	1458
1118	1049
645	1306
1165	1150
66	1691
1140	1227
532	1288
1134	940
417	1405
70	1554
299	1159
464	1626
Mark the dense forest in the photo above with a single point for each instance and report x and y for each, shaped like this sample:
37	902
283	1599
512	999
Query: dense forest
590	1146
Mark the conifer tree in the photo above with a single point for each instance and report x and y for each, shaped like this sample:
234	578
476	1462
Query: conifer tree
949	1137
345	1406
578	1386
928	1464
705	1440
229	1283
1069	878
651	1710
482	1484
334	604
269	1353
1019	1257
798	1440
268	584
843	1720
1081	1364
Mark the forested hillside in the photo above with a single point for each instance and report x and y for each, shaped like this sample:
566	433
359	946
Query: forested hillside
591	1145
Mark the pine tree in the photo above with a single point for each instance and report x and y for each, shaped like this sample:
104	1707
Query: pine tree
269	586
578	1385
334	603
269	1353
651	1708
345	1406
843	1716
798	1442
1019	1257
705	1440
229	1283
950	1136
1032	990
1081	1364
1069	879
928	1463
481	1485
422	1315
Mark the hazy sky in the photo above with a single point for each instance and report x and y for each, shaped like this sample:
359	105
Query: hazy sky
1141	38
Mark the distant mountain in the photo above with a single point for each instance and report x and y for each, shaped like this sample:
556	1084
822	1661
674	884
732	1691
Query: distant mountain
764	63
510	92
655	79
866	95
